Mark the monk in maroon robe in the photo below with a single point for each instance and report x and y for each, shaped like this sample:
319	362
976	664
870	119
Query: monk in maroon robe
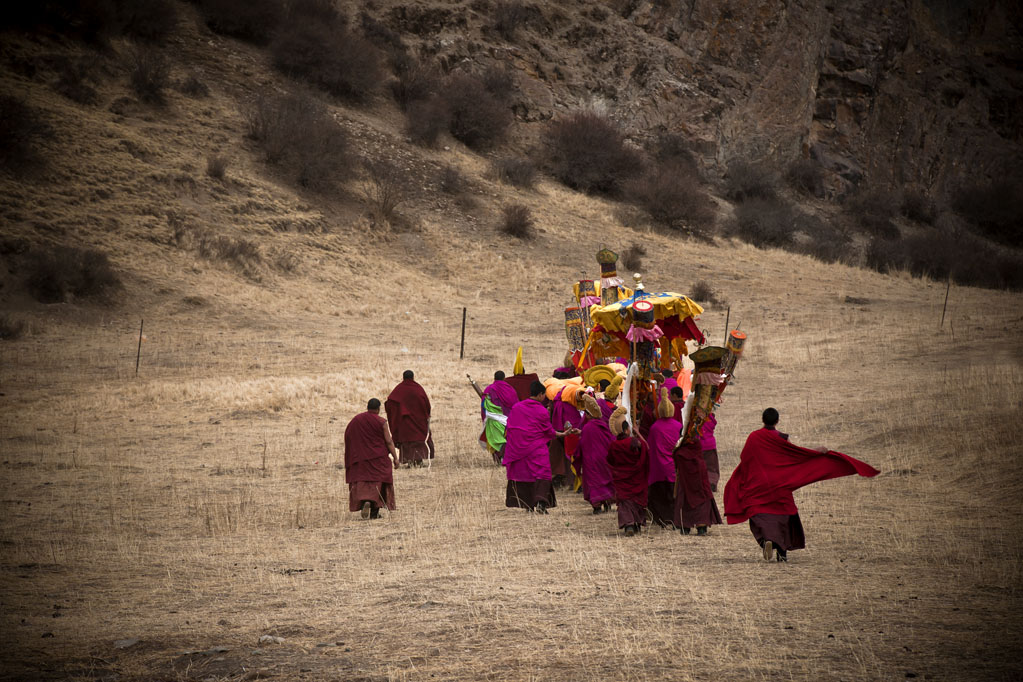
526	457
564	416
369	460
678	401
408	413
770	468
591	461
629	460
694	501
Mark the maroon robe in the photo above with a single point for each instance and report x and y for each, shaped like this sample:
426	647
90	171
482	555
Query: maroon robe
694	501
629	461
368	468
521	383
562	449
408	412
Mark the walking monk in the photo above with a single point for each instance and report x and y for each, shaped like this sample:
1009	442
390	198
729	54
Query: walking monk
770	468
694	501
661	482
526	458
629	460
594	440
369	460
408	412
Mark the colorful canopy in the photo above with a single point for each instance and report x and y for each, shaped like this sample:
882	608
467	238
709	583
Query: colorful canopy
667	305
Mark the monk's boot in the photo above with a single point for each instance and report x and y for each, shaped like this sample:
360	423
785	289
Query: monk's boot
374	513
630	531
365	509
768	550
541	507
782	555
685	531
701	530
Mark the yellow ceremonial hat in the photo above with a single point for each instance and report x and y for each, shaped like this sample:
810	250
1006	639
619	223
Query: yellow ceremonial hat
518	368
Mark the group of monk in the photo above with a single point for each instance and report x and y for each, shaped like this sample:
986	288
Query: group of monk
375	445
642	471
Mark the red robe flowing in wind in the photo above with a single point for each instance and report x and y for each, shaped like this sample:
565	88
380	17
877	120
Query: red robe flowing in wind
770	468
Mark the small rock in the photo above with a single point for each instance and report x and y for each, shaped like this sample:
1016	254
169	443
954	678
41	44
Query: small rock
435	651
218	650
322	645
47	634
271	639
126	643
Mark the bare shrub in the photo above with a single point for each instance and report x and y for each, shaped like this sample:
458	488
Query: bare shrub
386	188
917	206
148	74
825	242
748	180
329	56
297	133
587	152
508	18
216	166
765	222
996	208
21	129
242	253
415	80
874	210
701	292
251	20
632	257
64	272
630	216
671	148
426	121
518	222
499	82
806	176
517	172
381	35
476	117
73	78
451	181
193	86
148	20
671	193
11	328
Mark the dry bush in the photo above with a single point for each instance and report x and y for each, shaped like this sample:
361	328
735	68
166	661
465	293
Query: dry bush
476	117
701	292
297	133
147	20
148	74
415	80
748	180
632	257
426	121
21	129
193	86
64	272
917	206
518	222
216	166
386	188
499	82
517	172
508	18
243	253
825	242
672	195
873	210
940	254
251	20
73	78
326	54
765	222
806	176
995	208
587	152
451	181
11	328
671	148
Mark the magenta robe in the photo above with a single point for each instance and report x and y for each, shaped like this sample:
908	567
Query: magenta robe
663	436
502	395
593	442
528	432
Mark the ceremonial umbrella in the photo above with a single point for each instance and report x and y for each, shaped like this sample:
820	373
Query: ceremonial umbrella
614	327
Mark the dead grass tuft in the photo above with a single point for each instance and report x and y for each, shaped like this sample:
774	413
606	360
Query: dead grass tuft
518	222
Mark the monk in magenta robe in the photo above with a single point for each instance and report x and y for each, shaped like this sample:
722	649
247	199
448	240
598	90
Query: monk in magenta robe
408	413
594	440
369	460
770	468
661	483
628	457
566	417
501	393
526	456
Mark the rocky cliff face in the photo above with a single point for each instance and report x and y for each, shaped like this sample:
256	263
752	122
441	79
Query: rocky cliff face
923	92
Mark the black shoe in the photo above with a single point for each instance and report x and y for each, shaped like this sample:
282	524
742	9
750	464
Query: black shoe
597	510
607	506
541	508
782	555
701	530
630	531
685	531
374	513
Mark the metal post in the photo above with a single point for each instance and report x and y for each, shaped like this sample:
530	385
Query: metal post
138	354
948	287
727	316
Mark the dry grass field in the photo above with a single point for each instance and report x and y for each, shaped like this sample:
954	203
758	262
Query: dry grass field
200	506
